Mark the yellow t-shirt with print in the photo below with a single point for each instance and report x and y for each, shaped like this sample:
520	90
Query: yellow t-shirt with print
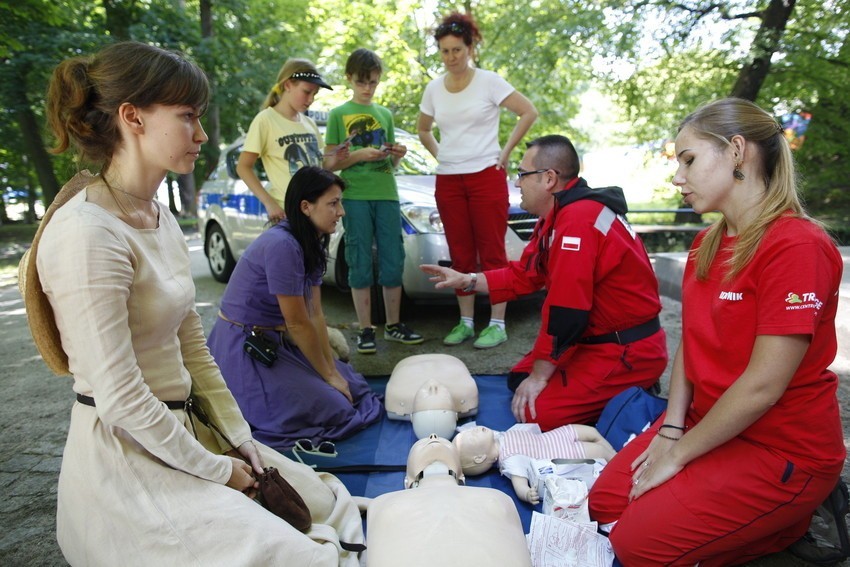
284	146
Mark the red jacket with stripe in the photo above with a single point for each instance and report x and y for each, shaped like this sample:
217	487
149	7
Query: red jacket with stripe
594	267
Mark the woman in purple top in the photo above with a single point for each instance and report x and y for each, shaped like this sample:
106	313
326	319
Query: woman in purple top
274	293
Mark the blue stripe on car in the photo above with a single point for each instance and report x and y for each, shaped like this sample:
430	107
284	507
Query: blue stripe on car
248	204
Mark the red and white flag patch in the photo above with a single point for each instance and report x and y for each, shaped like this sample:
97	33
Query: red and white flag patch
572	243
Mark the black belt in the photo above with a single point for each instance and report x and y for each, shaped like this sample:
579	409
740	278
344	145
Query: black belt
627	336
189	406
89	401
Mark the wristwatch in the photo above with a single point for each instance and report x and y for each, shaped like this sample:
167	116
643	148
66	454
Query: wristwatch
471	286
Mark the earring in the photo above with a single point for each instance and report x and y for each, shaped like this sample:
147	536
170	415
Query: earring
737	173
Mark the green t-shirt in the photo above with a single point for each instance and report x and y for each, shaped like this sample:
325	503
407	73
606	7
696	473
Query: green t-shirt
372	126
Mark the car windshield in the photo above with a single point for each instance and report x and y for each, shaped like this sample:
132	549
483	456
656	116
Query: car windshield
233	159
418	160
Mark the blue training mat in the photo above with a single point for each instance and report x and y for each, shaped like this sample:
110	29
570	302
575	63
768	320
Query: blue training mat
385	444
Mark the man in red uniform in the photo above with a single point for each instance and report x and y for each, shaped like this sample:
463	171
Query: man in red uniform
599	331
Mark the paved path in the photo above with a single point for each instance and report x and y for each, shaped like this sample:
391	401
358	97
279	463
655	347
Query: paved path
36	405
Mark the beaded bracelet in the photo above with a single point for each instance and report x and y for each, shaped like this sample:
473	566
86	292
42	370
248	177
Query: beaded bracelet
667	436
673	427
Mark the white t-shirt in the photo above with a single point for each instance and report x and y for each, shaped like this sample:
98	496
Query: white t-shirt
468	121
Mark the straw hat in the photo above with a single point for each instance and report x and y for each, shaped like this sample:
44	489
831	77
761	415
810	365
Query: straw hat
39	313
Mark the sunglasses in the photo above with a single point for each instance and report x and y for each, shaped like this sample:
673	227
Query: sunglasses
306	446
454	27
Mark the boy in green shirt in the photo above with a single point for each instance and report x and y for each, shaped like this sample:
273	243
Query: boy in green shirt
372	211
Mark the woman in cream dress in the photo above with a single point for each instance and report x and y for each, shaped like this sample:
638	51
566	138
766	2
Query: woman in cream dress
140	483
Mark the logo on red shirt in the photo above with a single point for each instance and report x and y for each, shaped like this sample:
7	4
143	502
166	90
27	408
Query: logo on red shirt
572	243
802	301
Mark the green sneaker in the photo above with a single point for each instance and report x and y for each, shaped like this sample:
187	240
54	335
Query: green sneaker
491	337
459	334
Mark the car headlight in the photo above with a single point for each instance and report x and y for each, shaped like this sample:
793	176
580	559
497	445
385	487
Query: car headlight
423	218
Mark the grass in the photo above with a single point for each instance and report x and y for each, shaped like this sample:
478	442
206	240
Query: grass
17	232
188	223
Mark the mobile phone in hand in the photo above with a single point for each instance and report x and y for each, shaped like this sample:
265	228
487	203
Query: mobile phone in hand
344	144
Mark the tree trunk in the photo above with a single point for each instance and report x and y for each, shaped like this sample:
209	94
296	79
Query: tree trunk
4	215
186	187
172	204
33	143
213	123
773	22
119	17
30	216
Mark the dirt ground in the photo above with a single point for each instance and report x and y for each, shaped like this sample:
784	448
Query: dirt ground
34	415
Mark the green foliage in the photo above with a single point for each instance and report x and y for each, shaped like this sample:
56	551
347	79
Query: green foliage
15	16
396	31
546	51
575	59
672	57
657	97
698	52
251	41
814	77
167	25
35	37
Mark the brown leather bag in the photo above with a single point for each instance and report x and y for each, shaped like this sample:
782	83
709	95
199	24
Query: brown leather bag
276	494
282	500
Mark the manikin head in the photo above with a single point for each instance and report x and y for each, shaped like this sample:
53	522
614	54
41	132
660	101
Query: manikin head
477	449
433	411
434	458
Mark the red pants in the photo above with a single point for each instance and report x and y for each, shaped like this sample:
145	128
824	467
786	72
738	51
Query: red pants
474	211
586	380
738	502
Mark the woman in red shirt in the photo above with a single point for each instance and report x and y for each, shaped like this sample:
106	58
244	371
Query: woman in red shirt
751	442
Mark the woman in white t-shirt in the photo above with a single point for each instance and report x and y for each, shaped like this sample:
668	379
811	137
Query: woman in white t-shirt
472	189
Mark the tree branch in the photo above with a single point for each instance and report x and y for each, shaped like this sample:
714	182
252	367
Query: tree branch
720	7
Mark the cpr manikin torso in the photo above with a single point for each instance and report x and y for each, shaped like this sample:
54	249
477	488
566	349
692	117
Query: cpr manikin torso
439	522
437	388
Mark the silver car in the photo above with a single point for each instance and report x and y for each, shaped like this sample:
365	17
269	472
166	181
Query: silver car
230	217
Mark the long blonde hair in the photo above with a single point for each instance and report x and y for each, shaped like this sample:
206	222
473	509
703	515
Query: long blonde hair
719	122
290	67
